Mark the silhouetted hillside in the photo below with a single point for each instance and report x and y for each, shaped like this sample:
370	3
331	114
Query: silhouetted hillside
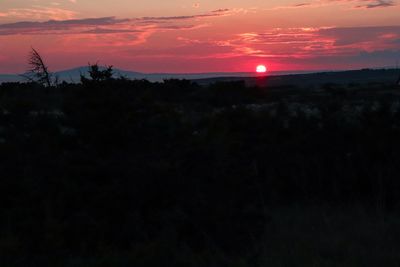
307	80
132	173
275	78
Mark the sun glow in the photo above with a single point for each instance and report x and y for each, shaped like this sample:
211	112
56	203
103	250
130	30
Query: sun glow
261	69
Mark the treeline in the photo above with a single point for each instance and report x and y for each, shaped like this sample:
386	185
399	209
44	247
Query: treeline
117	172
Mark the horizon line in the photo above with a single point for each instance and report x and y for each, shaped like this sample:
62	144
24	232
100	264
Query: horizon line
223	72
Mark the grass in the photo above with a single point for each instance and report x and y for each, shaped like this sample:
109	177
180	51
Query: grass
323	237
132	173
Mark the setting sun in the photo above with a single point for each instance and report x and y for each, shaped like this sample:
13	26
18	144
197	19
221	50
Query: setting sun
261	69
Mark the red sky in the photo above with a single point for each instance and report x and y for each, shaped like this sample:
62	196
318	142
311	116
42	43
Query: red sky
203	36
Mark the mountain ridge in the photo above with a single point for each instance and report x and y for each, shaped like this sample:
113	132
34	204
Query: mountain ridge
74	74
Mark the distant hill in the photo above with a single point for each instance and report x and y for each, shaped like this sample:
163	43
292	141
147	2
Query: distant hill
353	77
73	75
10	78
297	78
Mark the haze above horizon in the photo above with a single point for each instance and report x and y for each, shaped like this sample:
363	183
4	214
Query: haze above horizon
181	36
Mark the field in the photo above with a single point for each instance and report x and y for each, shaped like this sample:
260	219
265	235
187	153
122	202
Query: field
117	172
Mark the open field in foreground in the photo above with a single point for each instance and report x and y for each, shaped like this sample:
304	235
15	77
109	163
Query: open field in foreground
131	173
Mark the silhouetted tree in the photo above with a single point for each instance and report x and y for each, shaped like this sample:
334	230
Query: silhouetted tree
38	70
98	75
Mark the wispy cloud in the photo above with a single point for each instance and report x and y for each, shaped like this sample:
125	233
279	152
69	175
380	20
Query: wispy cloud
294	6
287	44
214	13
355	4
72	26
105	25
368	3
315	42
166	42
39	13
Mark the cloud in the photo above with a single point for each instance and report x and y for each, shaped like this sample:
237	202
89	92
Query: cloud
72	26
357	4
360	35
280	44
294	6
105	25
301	5
39	13
369	3
99	30
290	48
380	3
315	42
214	13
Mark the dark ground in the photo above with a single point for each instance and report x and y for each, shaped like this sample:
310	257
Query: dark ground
131	173
316	80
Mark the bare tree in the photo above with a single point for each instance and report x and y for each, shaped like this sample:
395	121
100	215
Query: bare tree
38	70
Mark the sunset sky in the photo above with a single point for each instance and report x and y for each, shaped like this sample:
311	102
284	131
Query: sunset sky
204	36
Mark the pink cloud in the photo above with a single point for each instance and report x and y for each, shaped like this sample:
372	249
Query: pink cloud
357	4
105	25
39	13
168	44
368	4
310	42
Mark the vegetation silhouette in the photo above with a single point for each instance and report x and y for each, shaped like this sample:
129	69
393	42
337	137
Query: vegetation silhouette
38	70
98	75
398	81
118	172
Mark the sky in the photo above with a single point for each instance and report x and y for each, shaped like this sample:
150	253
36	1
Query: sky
180	36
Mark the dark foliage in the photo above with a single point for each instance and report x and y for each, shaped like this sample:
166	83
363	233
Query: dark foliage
97	74
114	172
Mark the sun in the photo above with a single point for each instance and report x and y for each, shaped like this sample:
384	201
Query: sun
261	69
